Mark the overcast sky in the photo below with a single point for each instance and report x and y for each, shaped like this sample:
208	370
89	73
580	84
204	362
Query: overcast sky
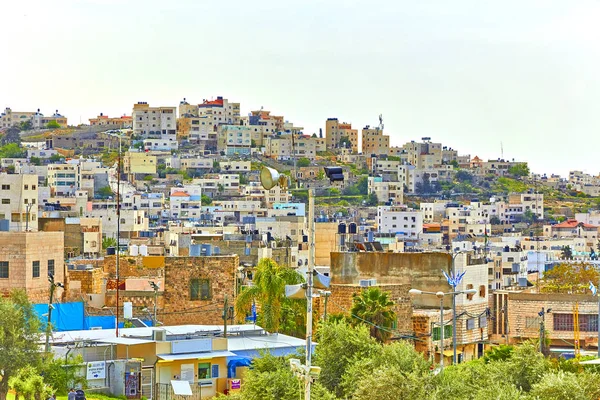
469	74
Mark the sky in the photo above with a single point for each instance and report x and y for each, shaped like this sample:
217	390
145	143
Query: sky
481	77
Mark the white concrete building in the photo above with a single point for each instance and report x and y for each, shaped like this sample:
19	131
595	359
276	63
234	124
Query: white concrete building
401	221
154	121
19	201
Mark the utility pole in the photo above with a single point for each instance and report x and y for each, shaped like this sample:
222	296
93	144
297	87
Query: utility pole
118	255
326	294
225	311
309	287
442	332
53	286
542	331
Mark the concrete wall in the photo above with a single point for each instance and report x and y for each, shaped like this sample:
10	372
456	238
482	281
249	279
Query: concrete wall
417	270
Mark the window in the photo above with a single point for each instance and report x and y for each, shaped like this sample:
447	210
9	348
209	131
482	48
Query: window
470	295
482	321
470	324
204	371
36	269
50	267
447	332
26	187
5	201
3	269
564	322
200	289
482	290
5	187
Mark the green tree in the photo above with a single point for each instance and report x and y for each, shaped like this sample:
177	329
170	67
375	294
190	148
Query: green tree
464	176
271	378
54	158
109	242
12	150
374	308
19	337
454	163
105	191
519	170
303	162
52	125
205	200
12	135
400	357
562	385
29	385
345	142
26	125
35	161
498	353
494	220
569	278
372	199
63	373
392	384
566	253
340	345
268	292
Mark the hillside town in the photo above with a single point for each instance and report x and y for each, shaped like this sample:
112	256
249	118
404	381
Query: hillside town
148	244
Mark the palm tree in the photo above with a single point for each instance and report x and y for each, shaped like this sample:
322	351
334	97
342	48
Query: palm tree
567	253
375	308
268	291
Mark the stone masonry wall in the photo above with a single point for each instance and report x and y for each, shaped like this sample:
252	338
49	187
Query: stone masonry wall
340	301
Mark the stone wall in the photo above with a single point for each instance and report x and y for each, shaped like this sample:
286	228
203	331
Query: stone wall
340	301
417	270
175	306
524	321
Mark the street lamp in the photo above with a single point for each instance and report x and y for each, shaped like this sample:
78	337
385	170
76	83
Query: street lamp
440	295
269	178
53	286
454	359
118	253
542	314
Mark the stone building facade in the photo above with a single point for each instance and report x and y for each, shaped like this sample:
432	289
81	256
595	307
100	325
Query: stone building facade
26	258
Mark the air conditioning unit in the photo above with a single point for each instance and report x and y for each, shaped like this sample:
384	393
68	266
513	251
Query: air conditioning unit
364	283
95	328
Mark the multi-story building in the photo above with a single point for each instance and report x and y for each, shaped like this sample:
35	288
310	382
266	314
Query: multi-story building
26	259
340	135
572	228
508	265
255	191
434	212
386	190
186	203
235	166
374	141
122	122
139	162
425	154
36	119
19	201
152	203
234	139
154	121
285	147
262	124
400	220
227	184
63	179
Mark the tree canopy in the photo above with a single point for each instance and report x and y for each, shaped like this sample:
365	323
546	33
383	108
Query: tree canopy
570	278
374	308
19	336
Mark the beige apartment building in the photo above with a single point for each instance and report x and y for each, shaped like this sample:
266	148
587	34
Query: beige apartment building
139	163
154	120
63	179
18	201
336	131
26	258
10	118
374	141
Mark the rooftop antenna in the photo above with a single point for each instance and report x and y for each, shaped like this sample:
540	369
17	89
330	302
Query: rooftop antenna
501	151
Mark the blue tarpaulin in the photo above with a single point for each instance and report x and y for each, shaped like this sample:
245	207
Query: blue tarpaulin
71	317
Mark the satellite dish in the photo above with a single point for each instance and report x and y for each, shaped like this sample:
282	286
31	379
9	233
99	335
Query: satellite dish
269	178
